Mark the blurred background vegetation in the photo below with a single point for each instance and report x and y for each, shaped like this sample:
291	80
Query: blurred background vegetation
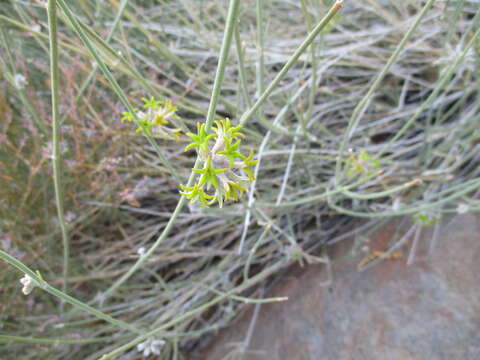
412	150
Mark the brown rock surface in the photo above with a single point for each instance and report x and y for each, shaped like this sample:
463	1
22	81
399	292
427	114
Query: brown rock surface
427	310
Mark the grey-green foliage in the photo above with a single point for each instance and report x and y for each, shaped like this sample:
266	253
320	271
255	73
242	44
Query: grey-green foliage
412	150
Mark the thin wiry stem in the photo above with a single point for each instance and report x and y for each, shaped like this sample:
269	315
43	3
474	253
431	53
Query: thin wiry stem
183	273
247	115
292	60
441	83
257	278
222	62
313	61
241	67
362	104
116	88
90	76
53	341
56	153
260	73
64	297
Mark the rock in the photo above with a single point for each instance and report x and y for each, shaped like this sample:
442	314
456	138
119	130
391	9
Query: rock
427	310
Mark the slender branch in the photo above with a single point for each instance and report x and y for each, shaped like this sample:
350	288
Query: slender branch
362	104
67	298
222	61
56	156
293	59
115	86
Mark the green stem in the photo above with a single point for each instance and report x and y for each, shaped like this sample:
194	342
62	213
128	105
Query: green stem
260	75
465	188
443	81
116	88
55	341
260	70
314	198
90	76
57	161
241	67
245	285
363	103
313	60
293	59
246	116
380	194
222	61
67	298
227	41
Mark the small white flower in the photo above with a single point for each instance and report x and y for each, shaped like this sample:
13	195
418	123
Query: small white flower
28	284
141	251
19	81
462	208
151	346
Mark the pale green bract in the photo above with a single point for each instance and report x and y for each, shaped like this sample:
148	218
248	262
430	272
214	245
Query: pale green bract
226	171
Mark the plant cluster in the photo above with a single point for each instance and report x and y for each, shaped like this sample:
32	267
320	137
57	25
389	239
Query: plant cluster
153	118
362	163
426	219
415	118
226	171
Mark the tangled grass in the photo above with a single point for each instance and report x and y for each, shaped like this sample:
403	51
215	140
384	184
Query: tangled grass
378	118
